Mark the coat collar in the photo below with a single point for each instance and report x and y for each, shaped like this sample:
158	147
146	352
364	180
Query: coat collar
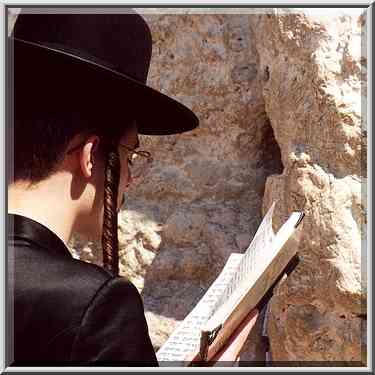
24	228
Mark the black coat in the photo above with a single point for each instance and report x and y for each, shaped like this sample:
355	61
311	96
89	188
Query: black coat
66	311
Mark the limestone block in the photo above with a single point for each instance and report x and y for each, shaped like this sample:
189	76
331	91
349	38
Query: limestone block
313	100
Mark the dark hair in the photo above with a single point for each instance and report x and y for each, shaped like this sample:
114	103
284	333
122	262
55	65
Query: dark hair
39	146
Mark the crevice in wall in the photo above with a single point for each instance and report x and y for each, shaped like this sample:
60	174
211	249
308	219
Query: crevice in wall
271	157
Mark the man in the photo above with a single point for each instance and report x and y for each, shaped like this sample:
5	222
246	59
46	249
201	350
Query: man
80	100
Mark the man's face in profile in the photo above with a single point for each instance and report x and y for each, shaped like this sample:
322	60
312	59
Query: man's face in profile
90	225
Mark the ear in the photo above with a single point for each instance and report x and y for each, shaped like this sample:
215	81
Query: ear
87	158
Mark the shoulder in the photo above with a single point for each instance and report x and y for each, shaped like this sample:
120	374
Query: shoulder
54	280
97	292
84	277
87	278
114	294
92	287
113	327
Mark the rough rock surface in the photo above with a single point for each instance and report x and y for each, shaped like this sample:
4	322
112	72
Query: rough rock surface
204	197
202	200
206	188
315	75
249	77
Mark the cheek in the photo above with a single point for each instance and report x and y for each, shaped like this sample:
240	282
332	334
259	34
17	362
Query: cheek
125	177
123	185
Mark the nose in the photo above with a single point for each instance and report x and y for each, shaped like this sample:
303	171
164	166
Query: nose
130	177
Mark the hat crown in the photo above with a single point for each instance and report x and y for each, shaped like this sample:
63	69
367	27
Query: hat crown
121	42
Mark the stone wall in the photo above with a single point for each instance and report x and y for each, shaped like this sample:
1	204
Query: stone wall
203	198
206	190
250	79
316	75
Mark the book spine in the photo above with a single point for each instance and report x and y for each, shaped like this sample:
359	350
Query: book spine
302	215
207	338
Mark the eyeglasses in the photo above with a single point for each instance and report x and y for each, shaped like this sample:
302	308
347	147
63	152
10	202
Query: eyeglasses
139	161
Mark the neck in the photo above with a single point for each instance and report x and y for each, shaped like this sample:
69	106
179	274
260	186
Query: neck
47	203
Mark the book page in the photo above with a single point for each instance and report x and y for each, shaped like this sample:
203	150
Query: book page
185	340
257	256
261	278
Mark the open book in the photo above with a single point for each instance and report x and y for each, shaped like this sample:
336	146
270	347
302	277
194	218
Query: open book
243	282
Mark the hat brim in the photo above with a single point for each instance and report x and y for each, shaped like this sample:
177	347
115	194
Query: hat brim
99	88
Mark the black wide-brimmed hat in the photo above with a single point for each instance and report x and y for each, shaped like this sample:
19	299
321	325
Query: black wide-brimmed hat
94	64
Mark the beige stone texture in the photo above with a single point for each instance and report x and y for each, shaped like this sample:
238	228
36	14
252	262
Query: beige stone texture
316	74
206	188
